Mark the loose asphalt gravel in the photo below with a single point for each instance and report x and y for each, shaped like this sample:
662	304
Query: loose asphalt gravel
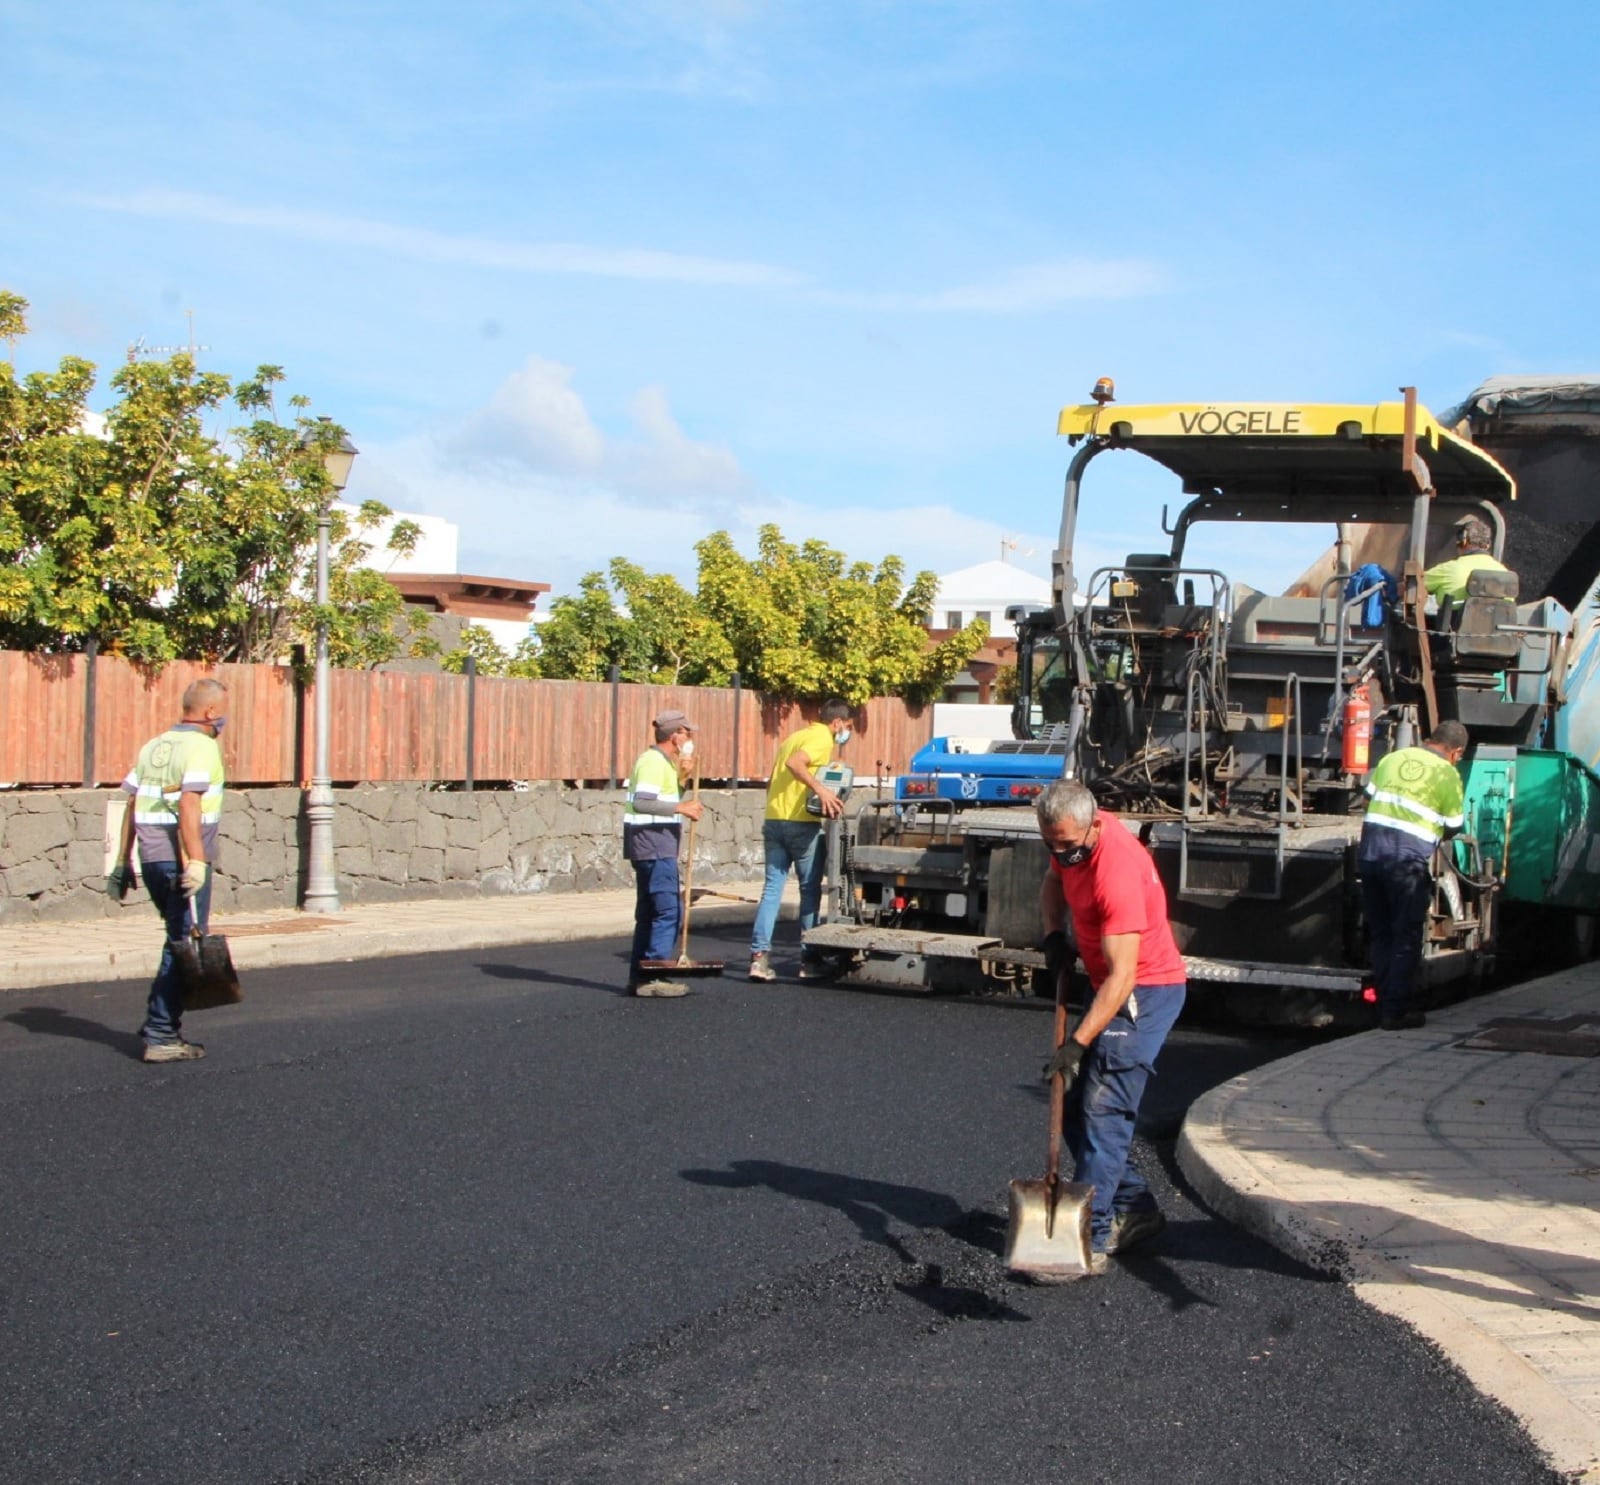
480	1218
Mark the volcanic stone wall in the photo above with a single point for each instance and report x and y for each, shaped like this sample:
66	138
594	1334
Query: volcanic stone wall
391	842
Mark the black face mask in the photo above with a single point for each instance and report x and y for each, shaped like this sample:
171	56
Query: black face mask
1074	855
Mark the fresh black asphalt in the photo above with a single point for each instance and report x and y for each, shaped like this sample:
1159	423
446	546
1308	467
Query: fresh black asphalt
480	1218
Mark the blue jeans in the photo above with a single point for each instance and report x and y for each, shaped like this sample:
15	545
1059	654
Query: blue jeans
163	880
656	911
1395	894
785	844
1105	1102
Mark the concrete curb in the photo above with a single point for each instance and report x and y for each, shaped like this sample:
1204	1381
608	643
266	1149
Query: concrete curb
1233	1189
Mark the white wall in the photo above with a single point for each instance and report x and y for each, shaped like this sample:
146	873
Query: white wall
986	589
968	719
436	549
508	633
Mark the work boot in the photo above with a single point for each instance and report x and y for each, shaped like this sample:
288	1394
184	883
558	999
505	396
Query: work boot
1135	1226
817	969
661	989
1405	1021
761	968
178	1051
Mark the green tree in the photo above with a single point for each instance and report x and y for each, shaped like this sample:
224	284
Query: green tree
491	656
13	320
794	620
667	637
804	623
584	633
163	542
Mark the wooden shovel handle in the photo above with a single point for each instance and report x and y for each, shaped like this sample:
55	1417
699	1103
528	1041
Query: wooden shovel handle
1058	1092
688	866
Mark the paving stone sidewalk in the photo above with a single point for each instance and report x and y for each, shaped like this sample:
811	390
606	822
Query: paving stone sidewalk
38	954
1456	1187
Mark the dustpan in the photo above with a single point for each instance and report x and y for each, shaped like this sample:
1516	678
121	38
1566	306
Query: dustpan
1047	1237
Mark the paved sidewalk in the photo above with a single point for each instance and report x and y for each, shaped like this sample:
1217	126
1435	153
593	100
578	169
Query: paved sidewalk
126	948
1456	1188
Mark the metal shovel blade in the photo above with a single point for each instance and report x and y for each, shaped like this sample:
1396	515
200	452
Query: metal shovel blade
205	967
1045	1240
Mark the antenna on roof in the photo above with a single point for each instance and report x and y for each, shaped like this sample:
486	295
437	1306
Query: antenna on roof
142	347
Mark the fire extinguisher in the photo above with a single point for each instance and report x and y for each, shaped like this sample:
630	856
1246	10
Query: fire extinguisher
1357	729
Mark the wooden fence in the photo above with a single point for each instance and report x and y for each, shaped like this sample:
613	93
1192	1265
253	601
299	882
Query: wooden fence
75	720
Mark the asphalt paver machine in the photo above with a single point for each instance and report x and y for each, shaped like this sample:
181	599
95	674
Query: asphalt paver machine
1232	730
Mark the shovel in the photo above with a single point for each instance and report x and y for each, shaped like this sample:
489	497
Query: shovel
683	964
205	966
1047	1239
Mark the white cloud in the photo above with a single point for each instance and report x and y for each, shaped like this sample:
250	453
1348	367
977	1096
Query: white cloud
537	424
1031	288
534	418
443	247
665	459
541	492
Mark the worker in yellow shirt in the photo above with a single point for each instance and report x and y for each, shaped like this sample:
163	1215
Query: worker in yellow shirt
1473	541
792	837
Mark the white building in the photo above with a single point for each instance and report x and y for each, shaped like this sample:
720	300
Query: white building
985	592
437	549
429	575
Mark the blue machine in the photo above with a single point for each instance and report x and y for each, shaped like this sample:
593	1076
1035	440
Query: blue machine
977	771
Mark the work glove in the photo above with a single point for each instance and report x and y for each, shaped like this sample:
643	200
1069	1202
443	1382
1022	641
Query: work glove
1068	1059
120	881
194	878
1057	954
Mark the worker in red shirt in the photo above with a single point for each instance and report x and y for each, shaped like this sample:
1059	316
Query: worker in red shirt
1107	881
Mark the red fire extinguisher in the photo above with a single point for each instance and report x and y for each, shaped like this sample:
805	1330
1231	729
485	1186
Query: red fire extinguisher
1357	729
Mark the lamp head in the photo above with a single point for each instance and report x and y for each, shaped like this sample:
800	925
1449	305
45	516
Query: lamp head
337	458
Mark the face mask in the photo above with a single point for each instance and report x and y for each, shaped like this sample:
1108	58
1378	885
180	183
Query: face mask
841	738
1074	855
217	724
686	748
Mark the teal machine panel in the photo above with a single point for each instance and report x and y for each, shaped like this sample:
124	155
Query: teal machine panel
1554	808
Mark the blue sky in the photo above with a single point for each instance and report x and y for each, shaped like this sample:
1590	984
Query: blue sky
598	278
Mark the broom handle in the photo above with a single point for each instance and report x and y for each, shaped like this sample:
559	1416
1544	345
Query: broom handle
688	869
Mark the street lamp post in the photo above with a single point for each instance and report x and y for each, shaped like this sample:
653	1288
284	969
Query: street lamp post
322	882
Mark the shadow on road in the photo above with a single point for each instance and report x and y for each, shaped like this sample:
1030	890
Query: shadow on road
872	1206
545	977
46	1020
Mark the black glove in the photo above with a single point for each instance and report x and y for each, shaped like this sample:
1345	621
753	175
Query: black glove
119	882
1068	1058
1057	955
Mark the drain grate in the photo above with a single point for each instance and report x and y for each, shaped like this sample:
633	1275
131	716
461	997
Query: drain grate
278	925
1572	1036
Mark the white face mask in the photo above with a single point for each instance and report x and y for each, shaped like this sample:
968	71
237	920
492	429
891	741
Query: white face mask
841	737
686	748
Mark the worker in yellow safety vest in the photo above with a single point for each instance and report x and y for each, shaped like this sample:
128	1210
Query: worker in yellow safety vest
1415	802
1473	540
